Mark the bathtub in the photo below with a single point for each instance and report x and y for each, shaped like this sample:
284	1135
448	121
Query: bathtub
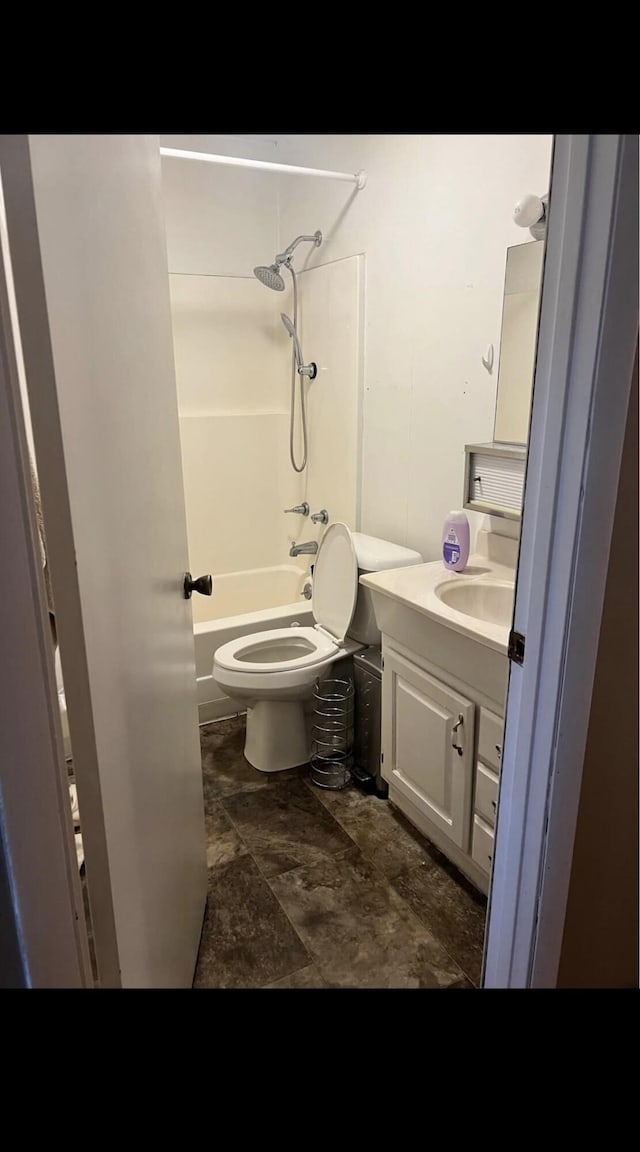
243	602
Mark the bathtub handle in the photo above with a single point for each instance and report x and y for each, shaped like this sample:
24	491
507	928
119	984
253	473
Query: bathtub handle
203	585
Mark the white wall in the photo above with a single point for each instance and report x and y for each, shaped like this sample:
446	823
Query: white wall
220	221
434	221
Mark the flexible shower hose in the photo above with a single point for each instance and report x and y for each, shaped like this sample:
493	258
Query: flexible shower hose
294	373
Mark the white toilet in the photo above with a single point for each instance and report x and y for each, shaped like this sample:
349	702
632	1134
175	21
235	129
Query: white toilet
274	672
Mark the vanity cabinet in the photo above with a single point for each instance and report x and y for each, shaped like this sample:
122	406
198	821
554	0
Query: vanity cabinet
441	752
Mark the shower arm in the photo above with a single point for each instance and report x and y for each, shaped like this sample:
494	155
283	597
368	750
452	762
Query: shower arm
285	256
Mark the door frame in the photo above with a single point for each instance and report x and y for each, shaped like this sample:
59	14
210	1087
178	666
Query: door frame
585	346
45	942
35	358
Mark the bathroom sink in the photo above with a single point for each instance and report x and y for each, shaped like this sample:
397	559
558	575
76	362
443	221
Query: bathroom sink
488	600
453	619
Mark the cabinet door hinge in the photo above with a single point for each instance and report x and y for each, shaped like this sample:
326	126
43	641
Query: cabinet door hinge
515	651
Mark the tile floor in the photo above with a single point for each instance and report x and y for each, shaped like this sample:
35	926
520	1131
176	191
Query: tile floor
317	889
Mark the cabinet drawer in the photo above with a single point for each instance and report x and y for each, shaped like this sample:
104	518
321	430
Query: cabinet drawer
490	738
486	793
482	844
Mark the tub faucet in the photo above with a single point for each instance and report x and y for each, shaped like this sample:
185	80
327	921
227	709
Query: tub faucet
308	549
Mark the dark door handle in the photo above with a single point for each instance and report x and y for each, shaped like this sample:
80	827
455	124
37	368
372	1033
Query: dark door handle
203	585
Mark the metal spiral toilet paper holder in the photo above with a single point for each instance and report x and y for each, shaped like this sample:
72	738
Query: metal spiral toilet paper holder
332	733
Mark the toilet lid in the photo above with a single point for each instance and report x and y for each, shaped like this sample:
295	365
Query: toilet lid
335	581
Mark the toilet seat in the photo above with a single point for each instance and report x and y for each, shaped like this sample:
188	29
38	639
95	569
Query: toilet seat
274	651
335	588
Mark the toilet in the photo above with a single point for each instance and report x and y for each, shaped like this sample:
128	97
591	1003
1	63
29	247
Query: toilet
273	672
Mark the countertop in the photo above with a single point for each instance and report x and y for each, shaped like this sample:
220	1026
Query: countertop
415	586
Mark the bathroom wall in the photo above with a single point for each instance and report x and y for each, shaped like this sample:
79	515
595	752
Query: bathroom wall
434	222
233	364
220	220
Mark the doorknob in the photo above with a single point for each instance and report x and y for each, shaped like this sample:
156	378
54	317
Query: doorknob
203	585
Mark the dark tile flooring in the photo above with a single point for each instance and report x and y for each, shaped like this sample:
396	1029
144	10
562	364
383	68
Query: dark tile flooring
316	889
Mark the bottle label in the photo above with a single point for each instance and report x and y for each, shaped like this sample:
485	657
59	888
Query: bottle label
451	548
451	553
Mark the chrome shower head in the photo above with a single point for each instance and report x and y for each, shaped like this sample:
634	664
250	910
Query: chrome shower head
270	277
294	336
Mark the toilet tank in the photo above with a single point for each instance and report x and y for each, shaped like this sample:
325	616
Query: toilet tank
375	555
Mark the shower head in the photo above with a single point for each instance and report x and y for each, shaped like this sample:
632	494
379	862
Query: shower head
294	336
270	277
309	370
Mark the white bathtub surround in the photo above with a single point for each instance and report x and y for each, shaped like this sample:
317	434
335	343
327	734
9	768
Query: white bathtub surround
233	366
332	334
233	369
231	351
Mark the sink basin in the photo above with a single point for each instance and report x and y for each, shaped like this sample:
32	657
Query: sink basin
491	601
457	621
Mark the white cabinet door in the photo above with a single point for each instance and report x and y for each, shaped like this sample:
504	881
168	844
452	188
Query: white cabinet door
86	234
422	721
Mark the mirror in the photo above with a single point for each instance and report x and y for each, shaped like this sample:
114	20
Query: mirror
522	281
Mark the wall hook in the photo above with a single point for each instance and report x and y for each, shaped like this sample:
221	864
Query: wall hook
487	359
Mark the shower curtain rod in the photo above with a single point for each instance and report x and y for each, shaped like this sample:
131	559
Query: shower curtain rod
357	178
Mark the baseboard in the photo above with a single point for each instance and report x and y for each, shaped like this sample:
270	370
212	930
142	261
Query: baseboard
221	709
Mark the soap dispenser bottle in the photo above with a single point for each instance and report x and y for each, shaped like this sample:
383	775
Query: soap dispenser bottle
455	541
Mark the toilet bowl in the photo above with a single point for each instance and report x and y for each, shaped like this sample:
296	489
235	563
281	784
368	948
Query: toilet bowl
273	672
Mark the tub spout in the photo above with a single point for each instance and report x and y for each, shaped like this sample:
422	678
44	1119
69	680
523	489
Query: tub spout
308	549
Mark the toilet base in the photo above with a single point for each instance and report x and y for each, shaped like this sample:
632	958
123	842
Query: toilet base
276	736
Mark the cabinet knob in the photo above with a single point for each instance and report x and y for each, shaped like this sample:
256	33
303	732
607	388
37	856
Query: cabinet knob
454	730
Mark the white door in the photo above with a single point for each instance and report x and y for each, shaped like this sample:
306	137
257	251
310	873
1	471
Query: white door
427	734
86	233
